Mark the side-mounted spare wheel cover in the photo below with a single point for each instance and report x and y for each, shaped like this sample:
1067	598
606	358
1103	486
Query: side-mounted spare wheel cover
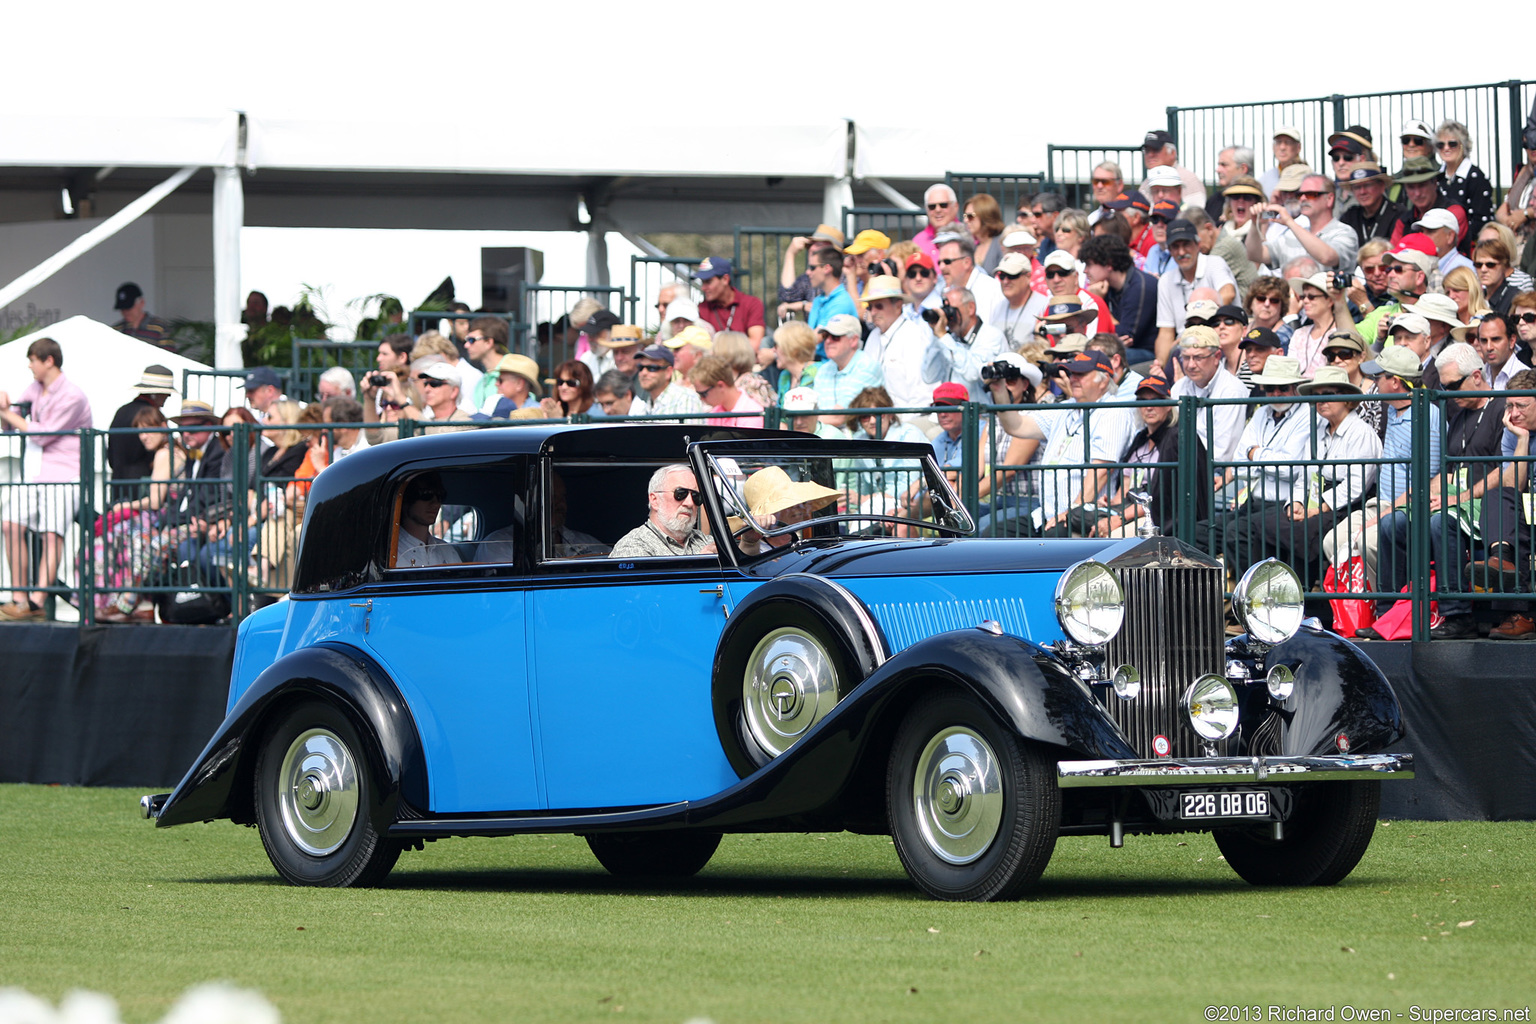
790	652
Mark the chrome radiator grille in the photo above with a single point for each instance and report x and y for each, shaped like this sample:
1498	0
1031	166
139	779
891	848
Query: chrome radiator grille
1174	632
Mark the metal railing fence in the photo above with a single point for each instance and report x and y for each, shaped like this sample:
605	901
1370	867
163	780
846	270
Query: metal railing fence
648	275
545	304
900	225
758	257
231	535
1007	189
1069	169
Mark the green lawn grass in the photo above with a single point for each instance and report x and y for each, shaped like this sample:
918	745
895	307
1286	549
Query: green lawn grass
777	928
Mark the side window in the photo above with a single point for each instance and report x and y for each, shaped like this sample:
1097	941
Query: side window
592	506
447	518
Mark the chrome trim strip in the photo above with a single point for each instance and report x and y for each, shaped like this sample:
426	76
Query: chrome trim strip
1195	771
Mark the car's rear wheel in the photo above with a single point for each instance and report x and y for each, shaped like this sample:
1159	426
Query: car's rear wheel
974	810
1324	839
316	800
654	854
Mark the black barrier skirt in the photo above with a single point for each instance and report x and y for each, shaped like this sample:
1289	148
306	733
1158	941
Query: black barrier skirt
110	705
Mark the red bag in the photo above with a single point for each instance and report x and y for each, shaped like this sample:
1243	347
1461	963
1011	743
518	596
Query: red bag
1397	622
1349	614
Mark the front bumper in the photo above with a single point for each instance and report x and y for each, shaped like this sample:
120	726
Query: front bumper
1219	771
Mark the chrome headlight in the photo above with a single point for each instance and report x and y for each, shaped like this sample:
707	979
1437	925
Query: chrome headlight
1268	600
1281	682
1127	682
1089	603
1211	703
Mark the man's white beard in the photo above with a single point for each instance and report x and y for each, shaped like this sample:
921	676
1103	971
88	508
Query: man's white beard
680	524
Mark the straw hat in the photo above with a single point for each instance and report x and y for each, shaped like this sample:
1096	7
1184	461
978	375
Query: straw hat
1327	377
524	367
770	491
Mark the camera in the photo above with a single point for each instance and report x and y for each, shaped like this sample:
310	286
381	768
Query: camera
1047	329
1341	280
379	380
1001	370
886	268
950	313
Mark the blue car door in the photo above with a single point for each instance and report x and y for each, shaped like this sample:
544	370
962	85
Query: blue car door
621	670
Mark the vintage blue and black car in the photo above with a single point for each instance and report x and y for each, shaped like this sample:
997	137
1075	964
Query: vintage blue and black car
473	647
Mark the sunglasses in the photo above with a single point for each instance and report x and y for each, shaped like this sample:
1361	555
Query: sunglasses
1198	321
1230	321
651	367
1487	264
1452	385
1277	389
1103	181
428	495
1527	318
1328	394
969	215
1054	272
939	206
1312	195
679	493
919	272
1339	154
568	382
1269	300
431	382
1453	144
953	259
1312	296
1005	276
1339	355
473	338
1413	140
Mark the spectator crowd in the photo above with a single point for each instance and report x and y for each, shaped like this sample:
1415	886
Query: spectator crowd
1307	306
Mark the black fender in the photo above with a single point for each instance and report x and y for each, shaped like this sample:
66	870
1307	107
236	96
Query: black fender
1339	691
219	784
835	776
863	646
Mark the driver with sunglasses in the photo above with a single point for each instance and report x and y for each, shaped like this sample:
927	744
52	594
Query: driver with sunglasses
672	527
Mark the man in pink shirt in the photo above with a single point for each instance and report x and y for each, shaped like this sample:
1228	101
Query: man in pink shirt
715	381
943	210
47	503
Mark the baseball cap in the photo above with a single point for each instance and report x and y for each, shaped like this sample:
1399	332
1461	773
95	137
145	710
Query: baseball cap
1355	138
1060	258
1292	177
919	259
1261	337
828	233
881	286
1164	176
1244	185
843	325
442	371
1068	344
1090	360
950	393
1235	312
1199	337
602	320
127	294
1289	131
1437	218
260	377
1344	339
1157	137
694	335
658	352
1182	231
1417	129
1413	323
1200	309
799	400
1166	209
1130	199
711	267
1157	385
1398	360
1018	236
868	239
1014	263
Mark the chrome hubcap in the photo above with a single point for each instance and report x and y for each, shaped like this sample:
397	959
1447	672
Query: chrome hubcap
789	686
318	792
958	795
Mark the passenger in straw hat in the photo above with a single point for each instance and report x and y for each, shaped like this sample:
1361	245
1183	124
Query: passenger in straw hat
517	386
126	455
774	501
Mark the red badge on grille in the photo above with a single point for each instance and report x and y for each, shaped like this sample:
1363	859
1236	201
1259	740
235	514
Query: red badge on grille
1160	745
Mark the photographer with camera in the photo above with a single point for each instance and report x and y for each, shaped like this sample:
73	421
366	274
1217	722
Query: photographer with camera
962	343
386	395
957	262
1324	303
1326	239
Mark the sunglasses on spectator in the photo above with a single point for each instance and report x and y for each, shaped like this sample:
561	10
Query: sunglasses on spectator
969	215
428	494
650	367
1339	355
1527	318
1453	144
472	338
1272	300
568	382
1277	389
679	493
919	272
1103	181
939	206
1198	321
1230	321
430	382
1329	394
1339	154
1312	195
1452	385
1312	296
1487	264
1053	272
1413	140
952	259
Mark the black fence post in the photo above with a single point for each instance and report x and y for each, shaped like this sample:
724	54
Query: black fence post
87	580
1338	113
1189	470
1418	516
970	446
240	542
1173	129
1516	122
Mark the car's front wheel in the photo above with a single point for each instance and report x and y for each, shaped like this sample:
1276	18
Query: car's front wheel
1322	842
315	800
654	854
974	810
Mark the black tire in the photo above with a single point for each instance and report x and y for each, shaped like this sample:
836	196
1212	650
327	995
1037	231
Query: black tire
991	841
1327	835
653	854
784	653
317	802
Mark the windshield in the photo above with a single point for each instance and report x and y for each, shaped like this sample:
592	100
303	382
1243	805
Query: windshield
777	499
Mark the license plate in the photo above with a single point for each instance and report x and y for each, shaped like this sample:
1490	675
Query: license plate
1224	805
